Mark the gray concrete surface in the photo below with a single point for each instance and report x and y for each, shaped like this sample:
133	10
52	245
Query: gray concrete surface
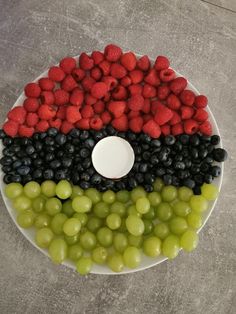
200	39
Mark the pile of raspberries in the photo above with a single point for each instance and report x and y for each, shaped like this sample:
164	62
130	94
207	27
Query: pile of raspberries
110	87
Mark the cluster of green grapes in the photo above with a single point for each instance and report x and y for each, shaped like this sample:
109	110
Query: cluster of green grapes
88	227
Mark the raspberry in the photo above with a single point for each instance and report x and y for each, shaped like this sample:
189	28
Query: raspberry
154	106
136	102
83	124
147	117
152	78
107	97
162	92
97	57
106	117
165	129
161	63
32	90
110	81
201	115
135	89
61	97
99	106
187	97
46	84
136	124
201	101
66	127
99	90
87	112
163	114
72	114
175	119
69	83
112	53
152	129
68	64
87	83
178	85
46	112
78	74
32	119
133	114
85	62
119	93
117	108
17	114
25	131
96	123
96	73
118	71
61	113
10	128
128	60
77	97
149	91
31	104
173	102
143	63
105	66
125	81
205	128
186	112
90	100
177	129
147	106
121	123
56	74
47	97
190	126
136	76
167	75
42	126
55	123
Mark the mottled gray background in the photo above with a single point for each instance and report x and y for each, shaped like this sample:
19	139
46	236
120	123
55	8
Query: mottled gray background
200	40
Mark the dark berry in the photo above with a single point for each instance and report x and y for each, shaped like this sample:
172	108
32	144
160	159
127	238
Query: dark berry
52	132
215	140
139	177
154	160
208	178
169	140
2	134
50	156
160	171
197	190
89	143
198	178
96	179
85	176
215	171
66	162
194	169
148	188
156	143
7	141
110	130
167	163
219	154
55	164
23	170
146	155
60	139
37	174
202	153
149	178
84	185
60	174
179	165
48	174
143	167
184	139
49	141
167	178
84	152
189	183
16	164
194	140
6	161
69	148
7	178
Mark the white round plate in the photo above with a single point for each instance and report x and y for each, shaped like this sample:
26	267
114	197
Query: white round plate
97	269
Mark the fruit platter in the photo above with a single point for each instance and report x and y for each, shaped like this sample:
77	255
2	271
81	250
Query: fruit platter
111	162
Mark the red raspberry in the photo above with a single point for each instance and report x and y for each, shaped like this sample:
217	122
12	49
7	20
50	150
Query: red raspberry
175	119
56	74
147	106
135	89
99	106
118	71
136	124
205	128
90	100
128	60
83	124
32	90
105	66
25	131
32	119
173	102
143	63
87	112
187	97
55	123
147	117
47	97
125	81
133	114
178	85
72	114
10	128
154	106
85	62
31	104
201	115
186	112
66	127
17	114
110	81
78	74
96	123
161	63
97	57
152	78
69	83
162	92
46	112
190	126
42	126
136	102
136	76
46	84
119	93
167	75
61	97
112	53
121	123
106	117
96	73
201	101
77	97
163	114
68	64
165	129
87	83
61	112
152	129
107	97
149	91
177	129
117	108
99	90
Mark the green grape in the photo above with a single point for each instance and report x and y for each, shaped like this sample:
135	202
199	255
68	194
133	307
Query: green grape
94	223
118	208
181	208
48	188
154	198
152	246
122	226
132	211
161	230
169	193
42	220
194	220
142	205
101	210
170	246
184	193
109	197
136	241
75	252
105	236
84	265
44	237
115	262
123	196
53	206
132	257
32	189
13	190
71	240
67	208
38	204
150	214
113	221
164	212
189	240
57	223
137	193
158	185
21	203
93	194
58	250
198	203
72	226
63	189
135	225
120	242
82	204
26	219
88	240
178	225
99	255
76	191
83	218
209	191
148	226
